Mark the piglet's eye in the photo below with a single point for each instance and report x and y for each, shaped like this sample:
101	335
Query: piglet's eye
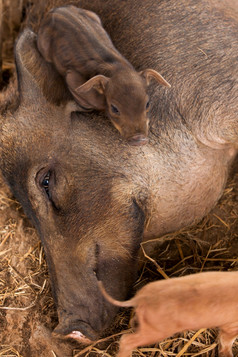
147	105
114	109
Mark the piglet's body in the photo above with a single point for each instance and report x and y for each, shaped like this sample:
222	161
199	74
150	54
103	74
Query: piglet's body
97	75
163	308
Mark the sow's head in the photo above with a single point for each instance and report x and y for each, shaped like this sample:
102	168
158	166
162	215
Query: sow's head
61	166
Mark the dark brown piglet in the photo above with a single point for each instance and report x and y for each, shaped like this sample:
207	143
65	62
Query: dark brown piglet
97	75
165	307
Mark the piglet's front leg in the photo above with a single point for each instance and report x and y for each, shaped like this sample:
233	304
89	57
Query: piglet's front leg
226	338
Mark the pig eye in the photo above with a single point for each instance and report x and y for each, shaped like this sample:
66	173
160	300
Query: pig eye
147	105
45	183
114	110
45	180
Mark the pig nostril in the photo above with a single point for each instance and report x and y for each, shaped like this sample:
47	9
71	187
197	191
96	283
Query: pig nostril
137	140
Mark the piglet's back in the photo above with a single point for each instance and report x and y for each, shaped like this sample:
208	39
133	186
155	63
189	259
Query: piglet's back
190	287
206	299
71	37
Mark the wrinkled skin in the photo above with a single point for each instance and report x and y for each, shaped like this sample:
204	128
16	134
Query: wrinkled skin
92	197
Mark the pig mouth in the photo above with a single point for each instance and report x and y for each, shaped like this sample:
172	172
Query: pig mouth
78	330
137	140
78	336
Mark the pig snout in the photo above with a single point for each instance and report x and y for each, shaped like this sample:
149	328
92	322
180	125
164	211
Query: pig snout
83	323
76	329
83	312
137	140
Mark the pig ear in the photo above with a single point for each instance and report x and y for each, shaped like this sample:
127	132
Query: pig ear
93	16
36	78
25	53
148	74
90	95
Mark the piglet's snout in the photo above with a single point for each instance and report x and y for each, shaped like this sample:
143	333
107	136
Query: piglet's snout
138	140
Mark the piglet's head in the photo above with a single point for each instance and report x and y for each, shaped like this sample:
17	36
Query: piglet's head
124	98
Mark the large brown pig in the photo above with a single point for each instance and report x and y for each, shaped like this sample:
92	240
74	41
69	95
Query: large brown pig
92	197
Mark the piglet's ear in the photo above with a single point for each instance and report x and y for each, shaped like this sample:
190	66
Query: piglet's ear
90	95
148	74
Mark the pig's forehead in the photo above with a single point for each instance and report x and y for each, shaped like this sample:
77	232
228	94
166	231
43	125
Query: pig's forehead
37	135
32	139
